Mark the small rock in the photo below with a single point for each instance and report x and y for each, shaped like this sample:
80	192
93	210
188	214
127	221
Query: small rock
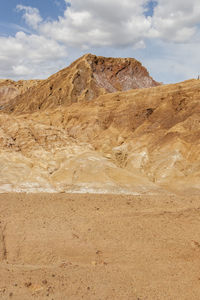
28	284
120	140
49	289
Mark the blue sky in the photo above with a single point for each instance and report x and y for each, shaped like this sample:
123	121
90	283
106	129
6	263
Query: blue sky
39	37
150	6
10	19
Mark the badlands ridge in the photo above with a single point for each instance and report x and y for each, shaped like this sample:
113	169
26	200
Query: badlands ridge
100	125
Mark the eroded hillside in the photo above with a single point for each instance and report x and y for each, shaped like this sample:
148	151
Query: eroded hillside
10	89
101	137
83	81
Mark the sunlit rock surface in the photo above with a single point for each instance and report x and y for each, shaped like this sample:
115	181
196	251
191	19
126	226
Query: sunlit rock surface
102	125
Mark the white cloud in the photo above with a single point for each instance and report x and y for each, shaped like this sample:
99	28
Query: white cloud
96	24
176	20
123	23
26	56
31	15
100	23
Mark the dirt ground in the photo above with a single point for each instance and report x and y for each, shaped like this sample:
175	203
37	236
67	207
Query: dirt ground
71	247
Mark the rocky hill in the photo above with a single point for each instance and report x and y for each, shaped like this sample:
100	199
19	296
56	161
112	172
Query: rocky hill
84	80
82	130
10	89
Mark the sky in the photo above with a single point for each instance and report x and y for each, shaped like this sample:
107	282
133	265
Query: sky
40	37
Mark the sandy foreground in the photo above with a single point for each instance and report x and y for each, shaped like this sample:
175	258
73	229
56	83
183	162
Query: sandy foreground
60	246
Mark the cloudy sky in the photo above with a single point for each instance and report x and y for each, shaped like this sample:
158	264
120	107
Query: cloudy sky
39	37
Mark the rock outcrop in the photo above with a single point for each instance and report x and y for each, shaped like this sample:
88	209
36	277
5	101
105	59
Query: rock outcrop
10	89
136	141
84	80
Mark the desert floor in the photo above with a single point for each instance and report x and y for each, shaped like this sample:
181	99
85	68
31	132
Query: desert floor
65	247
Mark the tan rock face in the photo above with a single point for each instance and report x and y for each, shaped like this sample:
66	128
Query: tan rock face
137	141
84	80
10	89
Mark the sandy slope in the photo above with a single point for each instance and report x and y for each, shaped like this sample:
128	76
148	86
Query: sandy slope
122	142
10	89
61	246
94	127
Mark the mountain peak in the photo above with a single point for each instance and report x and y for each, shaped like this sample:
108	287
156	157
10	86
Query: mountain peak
84	80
